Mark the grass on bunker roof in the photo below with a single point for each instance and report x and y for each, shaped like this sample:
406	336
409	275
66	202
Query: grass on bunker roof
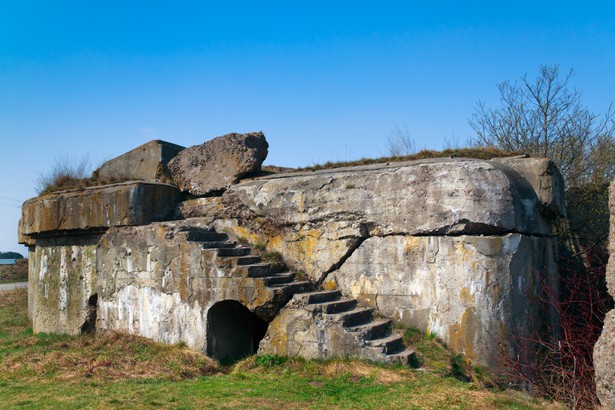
114	370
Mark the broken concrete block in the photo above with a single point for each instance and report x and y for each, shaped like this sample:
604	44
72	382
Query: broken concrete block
146	163
217	164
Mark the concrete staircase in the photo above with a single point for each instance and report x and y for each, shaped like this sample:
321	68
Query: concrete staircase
241	261
364	335
375	337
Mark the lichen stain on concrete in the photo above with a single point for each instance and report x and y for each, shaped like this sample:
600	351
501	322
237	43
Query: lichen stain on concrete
466	297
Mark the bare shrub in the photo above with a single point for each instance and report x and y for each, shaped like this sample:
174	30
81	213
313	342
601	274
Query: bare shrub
558	363
400	142
545	117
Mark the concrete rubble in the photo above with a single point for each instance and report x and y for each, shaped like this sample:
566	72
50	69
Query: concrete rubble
217	164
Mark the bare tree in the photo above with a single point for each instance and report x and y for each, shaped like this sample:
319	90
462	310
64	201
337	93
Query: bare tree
545	117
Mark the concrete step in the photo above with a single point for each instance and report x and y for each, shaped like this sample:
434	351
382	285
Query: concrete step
207	236
319	297
338	306
248	260
388	344
256	270
406	357
279	278
237	251
374	330
355	317
217	244
293	287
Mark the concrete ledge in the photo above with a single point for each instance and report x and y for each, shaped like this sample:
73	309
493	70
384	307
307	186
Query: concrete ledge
125	204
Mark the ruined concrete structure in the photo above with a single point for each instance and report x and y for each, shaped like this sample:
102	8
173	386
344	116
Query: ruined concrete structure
603	350
457	247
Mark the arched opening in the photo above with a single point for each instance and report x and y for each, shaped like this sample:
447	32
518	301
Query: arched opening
233	332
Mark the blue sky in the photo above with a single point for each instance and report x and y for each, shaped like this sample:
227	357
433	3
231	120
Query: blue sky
323	80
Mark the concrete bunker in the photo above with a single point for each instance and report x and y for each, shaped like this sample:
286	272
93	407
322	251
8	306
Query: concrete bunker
424	243
233	332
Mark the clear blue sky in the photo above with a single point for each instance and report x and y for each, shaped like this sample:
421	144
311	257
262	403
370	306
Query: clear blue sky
323	80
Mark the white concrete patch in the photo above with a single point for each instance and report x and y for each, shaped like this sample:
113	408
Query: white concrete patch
63	287
163	317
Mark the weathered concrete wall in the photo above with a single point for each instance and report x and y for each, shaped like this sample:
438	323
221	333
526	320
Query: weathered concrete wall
605	346
62	280
63	230
147	162
147	285
94	208
457	247
318	219
543	175
300	331
156	282
472	291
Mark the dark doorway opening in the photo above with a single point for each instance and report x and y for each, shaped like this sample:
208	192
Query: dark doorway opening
89	326
233	332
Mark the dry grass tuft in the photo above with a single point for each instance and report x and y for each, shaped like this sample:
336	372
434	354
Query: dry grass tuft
485	153
105	356
110	355
14	299
358	369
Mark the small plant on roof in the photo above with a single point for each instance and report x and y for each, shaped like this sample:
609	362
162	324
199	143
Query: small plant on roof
66	173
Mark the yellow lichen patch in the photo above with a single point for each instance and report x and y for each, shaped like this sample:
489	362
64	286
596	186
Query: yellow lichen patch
466	296
253	293
412	244
276	243
298	248
462	253
461	335
304	247
364	285
469	327
279	340
330	284
243	233
453	337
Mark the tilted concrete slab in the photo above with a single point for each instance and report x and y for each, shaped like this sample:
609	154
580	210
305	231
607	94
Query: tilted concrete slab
147	162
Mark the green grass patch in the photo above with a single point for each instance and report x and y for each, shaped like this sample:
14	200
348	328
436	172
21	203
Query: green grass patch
115	371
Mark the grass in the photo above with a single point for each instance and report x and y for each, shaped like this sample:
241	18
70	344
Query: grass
120	371
485	153
65	182
3	281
